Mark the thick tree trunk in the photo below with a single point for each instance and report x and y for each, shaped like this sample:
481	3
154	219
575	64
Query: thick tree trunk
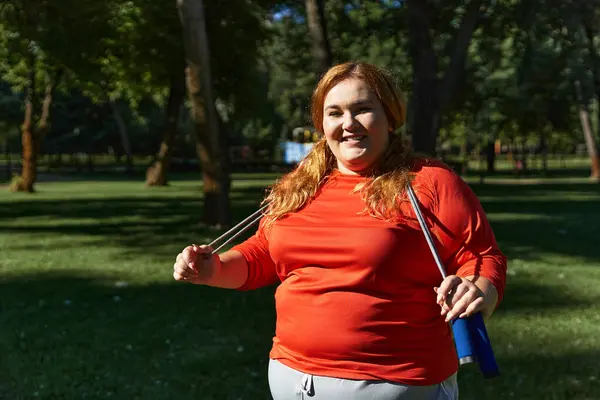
157	172
213	159
425	115
430	96
584	117
123	134
317	27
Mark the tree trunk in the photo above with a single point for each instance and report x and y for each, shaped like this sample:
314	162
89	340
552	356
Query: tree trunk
32	136
317	27
544	151
430	96
425	116
460	49
157	172
124	135
29	166
213	160
44	122
584	117
490	150
464	154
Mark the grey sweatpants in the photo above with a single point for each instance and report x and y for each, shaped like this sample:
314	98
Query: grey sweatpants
288	384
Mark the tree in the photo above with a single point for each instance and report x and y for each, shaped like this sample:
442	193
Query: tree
590	22
156	175
431	94
34	35
211	146
36	67
317	27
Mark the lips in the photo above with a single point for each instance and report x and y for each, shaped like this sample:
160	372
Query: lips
357	138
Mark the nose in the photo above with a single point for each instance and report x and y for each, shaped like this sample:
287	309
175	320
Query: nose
349	123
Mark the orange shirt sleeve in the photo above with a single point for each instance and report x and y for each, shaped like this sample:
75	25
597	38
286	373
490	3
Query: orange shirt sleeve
462	225
261	268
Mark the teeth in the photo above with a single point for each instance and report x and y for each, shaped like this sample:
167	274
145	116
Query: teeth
353	138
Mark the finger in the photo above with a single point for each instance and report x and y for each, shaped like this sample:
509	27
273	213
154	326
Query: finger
461	305
189	256
456	294
185	271
447	285
178	277
180	264
179	260
473	308
204	250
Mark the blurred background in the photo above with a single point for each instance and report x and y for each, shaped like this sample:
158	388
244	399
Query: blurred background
130	129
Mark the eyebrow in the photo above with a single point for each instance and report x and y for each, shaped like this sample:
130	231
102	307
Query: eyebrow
357	104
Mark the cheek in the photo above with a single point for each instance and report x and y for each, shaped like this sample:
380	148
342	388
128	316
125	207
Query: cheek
329	128
377	127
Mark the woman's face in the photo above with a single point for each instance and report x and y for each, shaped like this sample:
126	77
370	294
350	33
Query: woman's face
355	125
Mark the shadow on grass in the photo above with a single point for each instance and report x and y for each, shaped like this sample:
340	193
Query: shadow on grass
137	224
72	337
547	219
538	189
534	377
140	176
566	225
524	295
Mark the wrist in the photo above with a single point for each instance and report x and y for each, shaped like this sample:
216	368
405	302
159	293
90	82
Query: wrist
215	266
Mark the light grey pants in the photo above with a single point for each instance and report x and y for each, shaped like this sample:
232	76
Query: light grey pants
288	384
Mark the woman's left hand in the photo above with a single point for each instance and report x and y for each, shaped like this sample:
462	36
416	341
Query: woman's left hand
459	297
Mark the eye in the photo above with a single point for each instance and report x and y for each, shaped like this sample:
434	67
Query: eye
364	110
334	114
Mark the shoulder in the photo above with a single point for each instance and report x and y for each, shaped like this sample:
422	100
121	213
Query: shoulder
433	171
437	183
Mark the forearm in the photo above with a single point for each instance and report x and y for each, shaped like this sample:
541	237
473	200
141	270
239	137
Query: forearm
490	294
231	272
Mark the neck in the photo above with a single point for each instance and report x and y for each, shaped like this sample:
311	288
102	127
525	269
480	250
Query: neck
347	171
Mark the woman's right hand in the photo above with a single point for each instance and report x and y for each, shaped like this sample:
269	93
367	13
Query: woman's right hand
195	264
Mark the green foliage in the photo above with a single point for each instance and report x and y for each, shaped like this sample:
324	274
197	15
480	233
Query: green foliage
518	80
10	112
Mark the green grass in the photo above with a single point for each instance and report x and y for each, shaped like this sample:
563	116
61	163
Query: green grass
89	309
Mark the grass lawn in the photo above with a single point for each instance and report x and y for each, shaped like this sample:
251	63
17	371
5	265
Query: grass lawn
89	310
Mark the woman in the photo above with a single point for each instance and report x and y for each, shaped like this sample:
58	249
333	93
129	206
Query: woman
362	310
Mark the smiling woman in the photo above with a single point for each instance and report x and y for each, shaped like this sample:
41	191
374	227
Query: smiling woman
362	311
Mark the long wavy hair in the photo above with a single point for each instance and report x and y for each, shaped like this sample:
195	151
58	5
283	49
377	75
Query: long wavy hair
385	181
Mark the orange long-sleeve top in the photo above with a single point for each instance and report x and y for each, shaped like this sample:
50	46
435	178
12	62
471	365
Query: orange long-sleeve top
355	298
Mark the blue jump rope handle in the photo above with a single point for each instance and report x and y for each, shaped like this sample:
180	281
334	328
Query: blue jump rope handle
473	344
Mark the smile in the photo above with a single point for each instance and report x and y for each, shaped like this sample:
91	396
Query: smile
357	138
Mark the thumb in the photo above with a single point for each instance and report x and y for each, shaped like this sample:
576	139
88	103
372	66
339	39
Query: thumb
203	251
